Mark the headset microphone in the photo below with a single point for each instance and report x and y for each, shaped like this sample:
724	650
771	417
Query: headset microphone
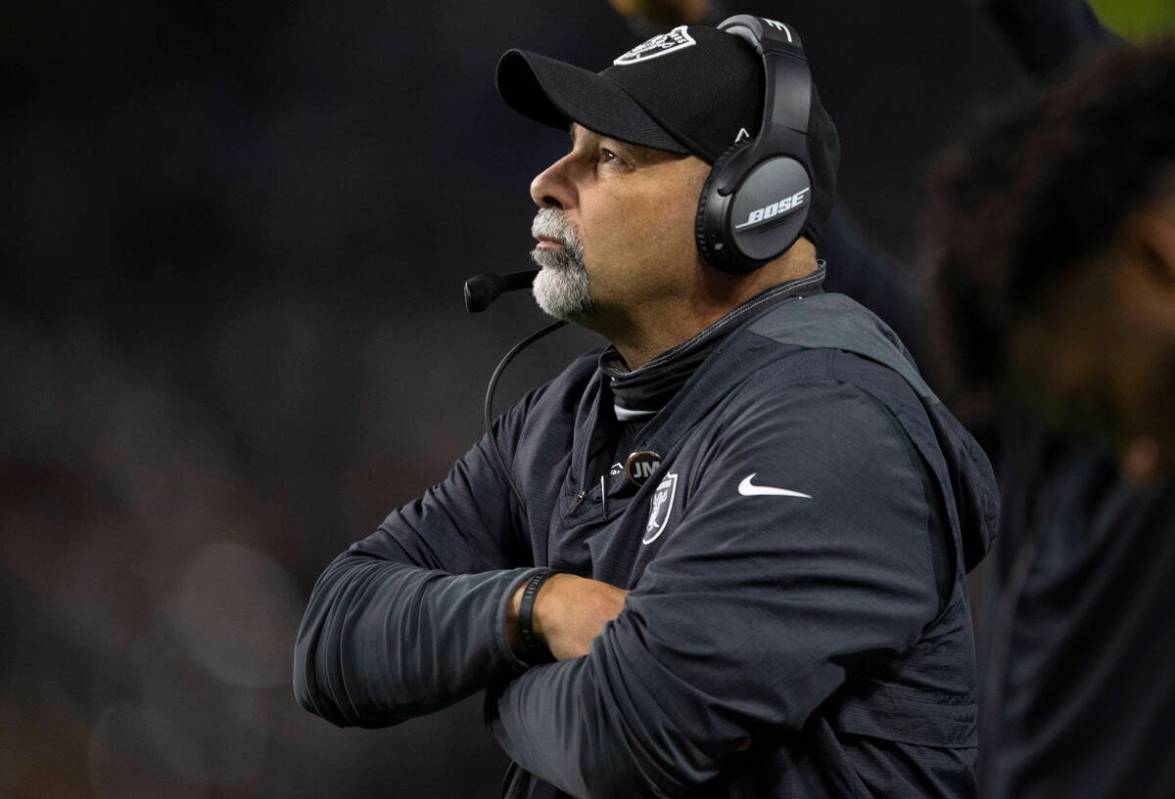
483	289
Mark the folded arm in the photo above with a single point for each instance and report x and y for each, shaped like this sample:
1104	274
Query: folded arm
413	618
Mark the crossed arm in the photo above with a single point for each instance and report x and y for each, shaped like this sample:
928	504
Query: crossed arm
748	618
423	612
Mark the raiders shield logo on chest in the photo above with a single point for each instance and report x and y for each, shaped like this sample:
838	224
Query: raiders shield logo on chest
661	508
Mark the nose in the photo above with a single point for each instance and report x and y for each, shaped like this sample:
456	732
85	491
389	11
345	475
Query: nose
553	187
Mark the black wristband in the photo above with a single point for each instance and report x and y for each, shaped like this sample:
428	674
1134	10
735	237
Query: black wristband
534	651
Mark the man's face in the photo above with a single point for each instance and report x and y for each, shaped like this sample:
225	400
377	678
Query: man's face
614	230
1104	349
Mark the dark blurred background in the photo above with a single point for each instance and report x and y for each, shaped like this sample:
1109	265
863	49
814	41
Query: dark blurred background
232	339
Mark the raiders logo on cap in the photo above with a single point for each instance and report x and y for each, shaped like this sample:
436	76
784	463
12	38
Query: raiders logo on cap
665	43
641	465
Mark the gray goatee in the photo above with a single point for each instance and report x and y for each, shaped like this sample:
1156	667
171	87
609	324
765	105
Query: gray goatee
561	288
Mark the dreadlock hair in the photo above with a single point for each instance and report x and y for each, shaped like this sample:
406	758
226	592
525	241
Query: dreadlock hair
1030	200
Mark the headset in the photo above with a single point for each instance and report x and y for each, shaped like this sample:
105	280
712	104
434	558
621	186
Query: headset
756	199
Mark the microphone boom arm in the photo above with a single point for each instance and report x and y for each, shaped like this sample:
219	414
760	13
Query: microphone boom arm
483	289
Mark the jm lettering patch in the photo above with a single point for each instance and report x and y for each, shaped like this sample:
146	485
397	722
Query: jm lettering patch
640	466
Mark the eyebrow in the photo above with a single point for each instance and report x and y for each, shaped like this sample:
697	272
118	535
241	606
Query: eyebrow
637	152
576	126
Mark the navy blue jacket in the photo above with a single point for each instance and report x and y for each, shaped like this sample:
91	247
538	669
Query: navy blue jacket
831	628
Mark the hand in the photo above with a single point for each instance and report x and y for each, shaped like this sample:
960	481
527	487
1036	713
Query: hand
663	12
569	612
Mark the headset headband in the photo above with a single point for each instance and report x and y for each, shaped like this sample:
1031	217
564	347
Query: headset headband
787	100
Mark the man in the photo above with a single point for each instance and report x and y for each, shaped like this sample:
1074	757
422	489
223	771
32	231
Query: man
1054	264
734	564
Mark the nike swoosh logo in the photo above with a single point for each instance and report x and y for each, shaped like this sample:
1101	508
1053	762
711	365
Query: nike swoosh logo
748	489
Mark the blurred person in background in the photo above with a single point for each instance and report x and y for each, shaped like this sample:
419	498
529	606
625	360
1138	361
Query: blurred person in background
726	551
1053	260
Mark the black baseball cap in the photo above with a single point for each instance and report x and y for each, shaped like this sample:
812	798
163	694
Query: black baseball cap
694	90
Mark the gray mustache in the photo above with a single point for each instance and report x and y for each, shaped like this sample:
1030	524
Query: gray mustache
549	223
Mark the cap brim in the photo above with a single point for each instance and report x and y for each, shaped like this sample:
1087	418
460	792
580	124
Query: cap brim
556	94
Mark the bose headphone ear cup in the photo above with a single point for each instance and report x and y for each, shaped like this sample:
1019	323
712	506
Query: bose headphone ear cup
772	196
710	233
768	212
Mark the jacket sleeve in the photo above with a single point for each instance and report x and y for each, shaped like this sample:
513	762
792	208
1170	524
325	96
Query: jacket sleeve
412	618
755	609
